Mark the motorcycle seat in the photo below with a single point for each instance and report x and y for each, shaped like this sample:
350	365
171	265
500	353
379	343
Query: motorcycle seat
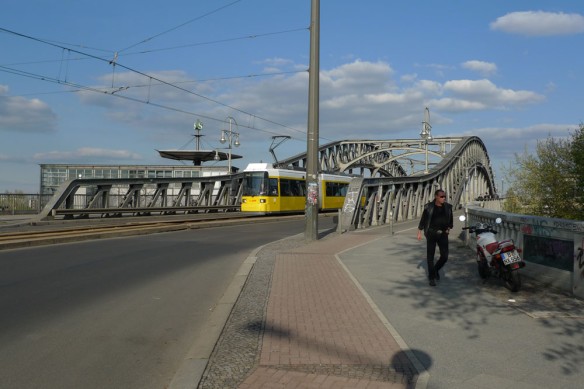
492	247
506	245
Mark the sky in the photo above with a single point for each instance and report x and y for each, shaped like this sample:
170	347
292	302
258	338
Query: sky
111	82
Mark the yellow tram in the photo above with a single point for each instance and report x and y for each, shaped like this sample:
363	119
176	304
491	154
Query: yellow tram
267	190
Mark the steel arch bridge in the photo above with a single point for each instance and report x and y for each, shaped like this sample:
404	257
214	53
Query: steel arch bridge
395	179
464	172
402	175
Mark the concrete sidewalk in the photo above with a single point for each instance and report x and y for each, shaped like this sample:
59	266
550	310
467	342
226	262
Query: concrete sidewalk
356	311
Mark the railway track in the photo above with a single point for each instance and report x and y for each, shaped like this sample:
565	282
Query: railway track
45	234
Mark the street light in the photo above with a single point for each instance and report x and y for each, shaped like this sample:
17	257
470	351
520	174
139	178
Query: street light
231	137
198	126
426	134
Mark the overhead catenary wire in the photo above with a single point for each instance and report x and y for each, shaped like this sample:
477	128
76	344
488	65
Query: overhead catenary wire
110	62
113	93
160	81
180	25
176	82
253	36
112	53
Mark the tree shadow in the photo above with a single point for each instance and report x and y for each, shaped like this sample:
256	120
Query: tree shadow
454	299
456	303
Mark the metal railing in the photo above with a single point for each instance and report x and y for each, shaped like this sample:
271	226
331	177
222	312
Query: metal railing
22	203
549	246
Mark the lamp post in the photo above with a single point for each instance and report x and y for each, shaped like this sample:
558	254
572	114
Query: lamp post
231	137
198	126
426	135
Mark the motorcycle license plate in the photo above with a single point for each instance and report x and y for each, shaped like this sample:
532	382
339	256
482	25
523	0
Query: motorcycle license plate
510	257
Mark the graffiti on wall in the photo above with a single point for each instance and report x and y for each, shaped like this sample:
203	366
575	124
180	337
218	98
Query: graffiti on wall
553	252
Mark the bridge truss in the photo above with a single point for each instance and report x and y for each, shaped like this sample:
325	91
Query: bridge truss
464	173
396	178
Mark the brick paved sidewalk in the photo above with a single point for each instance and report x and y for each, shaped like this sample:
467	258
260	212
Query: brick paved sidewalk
320	331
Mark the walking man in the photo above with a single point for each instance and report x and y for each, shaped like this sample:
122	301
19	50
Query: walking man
436	222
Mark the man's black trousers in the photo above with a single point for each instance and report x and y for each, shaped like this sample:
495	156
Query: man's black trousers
442	242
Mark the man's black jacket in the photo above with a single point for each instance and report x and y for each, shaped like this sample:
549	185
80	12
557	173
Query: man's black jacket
427	216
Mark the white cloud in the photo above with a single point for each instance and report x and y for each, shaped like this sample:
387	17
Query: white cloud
539	23
86	154
409	77
488	95
364	92
483	68
170	86
277	62
456	105
358	74
18	114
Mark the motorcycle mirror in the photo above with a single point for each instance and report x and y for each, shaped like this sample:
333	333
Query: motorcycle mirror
462	218
498	220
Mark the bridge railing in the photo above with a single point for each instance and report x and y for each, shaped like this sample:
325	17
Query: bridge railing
552	248
22	203
144	196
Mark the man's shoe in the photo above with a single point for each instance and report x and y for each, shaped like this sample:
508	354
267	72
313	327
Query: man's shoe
432	283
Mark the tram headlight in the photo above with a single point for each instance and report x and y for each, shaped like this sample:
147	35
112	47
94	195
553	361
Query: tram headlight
262	201
244	200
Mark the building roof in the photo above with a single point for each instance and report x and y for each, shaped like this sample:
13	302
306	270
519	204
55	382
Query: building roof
196	156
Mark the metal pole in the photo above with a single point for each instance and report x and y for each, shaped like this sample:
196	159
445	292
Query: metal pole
230	139
426	169
311	211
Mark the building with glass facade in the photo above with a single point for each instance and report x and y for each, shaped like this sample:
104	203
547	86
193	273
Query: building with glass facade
53	175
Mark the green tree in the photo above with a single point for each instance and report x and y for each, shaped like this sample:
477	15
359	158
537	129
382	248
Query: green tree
577	152
512	203
545	183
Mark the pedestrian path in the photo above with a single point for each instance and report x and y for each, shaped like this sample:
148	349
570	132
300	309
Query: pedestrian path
356	311
320	330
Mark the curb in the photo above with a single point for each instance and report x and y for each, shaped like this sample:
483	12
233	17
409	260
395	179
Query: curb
190	373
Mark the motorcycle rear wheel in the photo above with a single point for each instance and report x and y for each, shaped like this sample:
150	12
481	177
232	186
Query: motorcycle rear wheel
513	280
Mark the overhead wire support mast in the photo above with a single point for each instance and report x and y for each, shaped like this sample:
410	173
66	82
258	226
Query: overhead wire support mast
311	210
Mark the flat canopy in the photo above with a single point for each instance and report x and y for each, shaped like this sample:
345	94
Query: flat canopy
196	156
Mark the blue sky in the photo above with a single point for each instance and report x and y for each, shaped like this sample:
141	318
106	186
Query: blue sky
509	72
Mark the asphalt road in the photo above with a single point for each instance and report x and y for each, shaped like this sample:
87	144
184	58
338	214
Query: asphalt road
117	313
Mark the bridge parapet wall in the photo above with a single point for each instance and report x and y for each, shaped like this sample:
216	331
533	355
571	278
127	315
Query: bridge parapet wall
552	248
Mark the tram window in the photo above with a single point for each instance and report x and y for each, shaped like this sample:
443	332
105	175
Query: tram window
290	187
273	187
336	189
330	189
255	184
297	188
285	188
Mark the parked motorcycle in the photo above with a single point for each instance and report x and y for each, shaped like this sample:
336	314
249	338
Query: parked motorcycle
496	258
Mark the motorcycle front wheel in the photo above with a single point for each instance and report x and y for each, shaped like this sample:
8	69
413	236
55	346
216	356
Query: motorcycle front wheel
513	280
